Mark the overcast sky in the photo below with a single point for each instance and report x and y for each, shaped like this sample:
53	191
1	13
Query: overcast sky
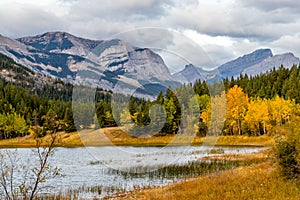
223	29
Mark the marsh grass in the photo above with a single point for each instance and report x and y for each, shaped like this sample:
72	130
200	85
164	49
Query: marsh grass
84	192
217	151
175	171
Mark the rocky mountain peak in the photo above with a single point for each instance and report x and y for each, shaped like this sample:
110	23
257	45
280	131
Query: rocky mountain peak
259	61
189	67
190	74
286	59
260	53
289	54
102	63
60	42
236	66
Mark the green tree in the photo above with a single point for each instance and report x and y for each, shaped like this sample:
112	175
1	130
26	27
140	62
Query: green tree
20	126
68	121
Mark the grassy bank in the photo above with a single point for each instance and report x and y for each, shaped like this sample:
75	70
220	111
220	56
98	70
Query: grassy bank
257	181
115	136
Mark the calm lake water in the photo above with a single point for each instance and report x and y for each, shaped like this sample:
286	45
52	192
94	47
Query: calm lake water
89	166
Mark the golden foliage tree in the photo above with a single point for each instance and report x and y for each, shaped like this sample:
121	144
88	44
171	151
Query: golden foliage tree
257	117
280	111
236	107
215	113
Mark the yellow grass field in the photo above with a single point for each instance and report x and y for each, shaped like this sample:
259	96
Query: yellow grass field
115	136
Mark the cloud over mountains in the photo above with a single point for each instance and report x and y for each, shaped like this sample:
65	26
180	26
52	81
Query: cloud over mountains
248	25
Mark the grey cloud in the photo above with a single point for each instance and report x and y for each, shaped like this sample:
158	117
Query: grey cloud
234	21
157	37
67	1
189	51
287	42
173	60
268	5
263	23
101	20
22	20
104	29
92	18
207	19
218	54
120	10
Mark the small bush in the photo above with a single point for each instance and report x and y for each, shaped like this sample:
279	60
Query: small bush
287	156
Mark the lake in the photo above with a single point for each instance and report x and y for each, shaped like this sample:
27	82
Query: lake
95	166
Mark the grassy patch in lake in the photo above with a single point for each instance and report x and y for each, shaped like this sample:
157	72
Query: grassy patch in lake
183	171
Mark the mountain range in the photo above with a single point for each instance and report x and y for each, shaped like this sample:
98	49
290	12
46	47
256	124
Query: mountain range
255	63
109	64
119	66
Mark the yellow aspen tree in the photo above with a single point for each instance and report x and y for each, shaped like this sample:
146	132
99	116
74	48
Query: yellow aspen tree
214	114
283	114
206	115
257	117
236	107
280	111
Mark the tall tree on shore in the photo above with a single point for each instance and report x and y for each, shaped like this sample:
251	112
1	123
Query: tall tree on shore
236	107
257	117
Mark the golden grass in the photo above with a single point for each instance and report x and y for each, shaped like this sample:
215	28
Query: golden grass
259	157
26	141
263	140
115	136
257	181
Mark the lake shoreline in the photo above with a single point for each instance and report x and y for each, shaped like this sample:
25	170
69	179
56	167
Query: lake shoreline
116	137
98	172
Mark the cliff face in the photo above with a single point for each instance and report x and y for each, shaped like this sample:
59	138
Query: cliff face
62	55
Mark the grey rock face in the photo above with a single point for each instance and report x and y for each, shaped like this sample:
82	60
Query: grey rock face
60	42
63	55
190	74
255	63
236	67
287	60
